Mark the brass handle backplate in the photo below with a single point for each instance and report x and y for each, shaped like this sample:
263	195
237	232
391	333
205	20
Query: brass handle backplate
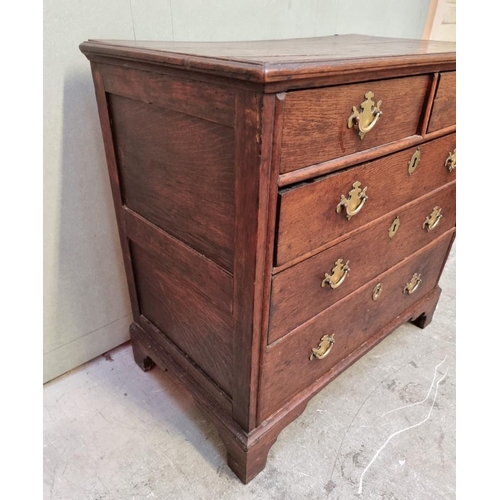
413	284
451	161
339	274
432	220
354	201
367	118
414	161
324	347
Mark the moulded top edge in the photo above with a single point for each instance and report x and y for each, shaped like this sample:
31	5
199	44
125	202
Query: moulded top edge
277	60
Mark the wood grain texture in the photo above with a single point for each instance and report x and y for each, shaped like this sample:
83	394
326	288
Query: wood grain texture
315	128
308	217
268	192
271	226
253	116
177	297
353	320
199	272
296	292
203	100
177	171
114	180
288	61
444	109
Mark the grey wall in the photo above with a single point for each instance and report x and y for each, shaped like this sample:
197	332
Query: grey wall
86	308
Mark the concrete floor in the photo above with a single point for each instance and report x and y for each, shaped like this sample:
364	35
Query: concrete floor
114	432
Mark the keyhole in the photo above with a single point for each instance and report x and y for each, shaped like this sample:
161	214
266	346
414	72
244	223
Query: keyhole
394	227
414	161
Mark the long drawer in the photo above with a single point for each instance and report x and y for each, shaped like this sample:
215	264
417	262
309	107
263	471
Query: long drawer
314	214
302	291
289	365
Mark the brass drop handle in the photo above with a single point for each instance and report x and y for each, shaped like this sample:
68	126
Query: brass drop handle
338	276
324	347
451	161
354	201
432	220
413	284
363	130
366	119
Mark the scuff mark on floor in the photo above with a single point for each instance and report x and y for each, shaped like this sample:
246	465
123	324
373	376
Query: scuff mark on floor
397	433
426	397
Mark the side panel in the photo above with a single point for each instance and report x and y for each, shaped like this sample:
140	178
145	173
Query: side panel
177	171
172	170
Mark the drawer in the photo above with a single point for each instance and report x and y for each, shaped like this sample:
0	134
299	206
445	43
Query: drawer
308	217
297	293
315	127
443	112
287	367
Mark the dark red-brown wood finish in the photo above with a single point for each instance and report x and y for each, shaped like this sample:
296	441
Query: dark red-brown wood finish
227	162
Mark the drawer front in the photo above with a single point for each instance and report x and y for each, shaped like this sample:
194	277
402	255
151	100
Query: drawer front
308	216
301	292
443	112
316	129
287	366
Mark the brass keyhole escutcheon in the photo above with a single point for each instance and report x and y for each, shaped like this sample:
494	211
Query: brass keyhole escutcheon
393	229
413	284
354	202
339	274
367	118
324	347
451	161
432	220
414	161
377	291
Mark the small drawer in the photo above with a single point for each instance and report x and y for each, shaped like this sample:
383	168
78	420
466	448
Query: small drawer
316	122
443	112
312	214
302	291
290	365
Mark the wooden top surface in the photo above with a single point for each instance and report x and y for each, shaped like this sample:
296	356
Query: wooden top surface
277	60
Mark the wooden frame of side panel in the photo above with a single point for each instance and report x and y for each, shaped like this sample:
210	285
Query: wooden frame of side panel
102	107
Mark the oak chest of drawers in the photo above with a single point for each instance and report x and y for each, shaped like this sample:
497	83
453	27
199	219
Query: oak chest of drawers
282	207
